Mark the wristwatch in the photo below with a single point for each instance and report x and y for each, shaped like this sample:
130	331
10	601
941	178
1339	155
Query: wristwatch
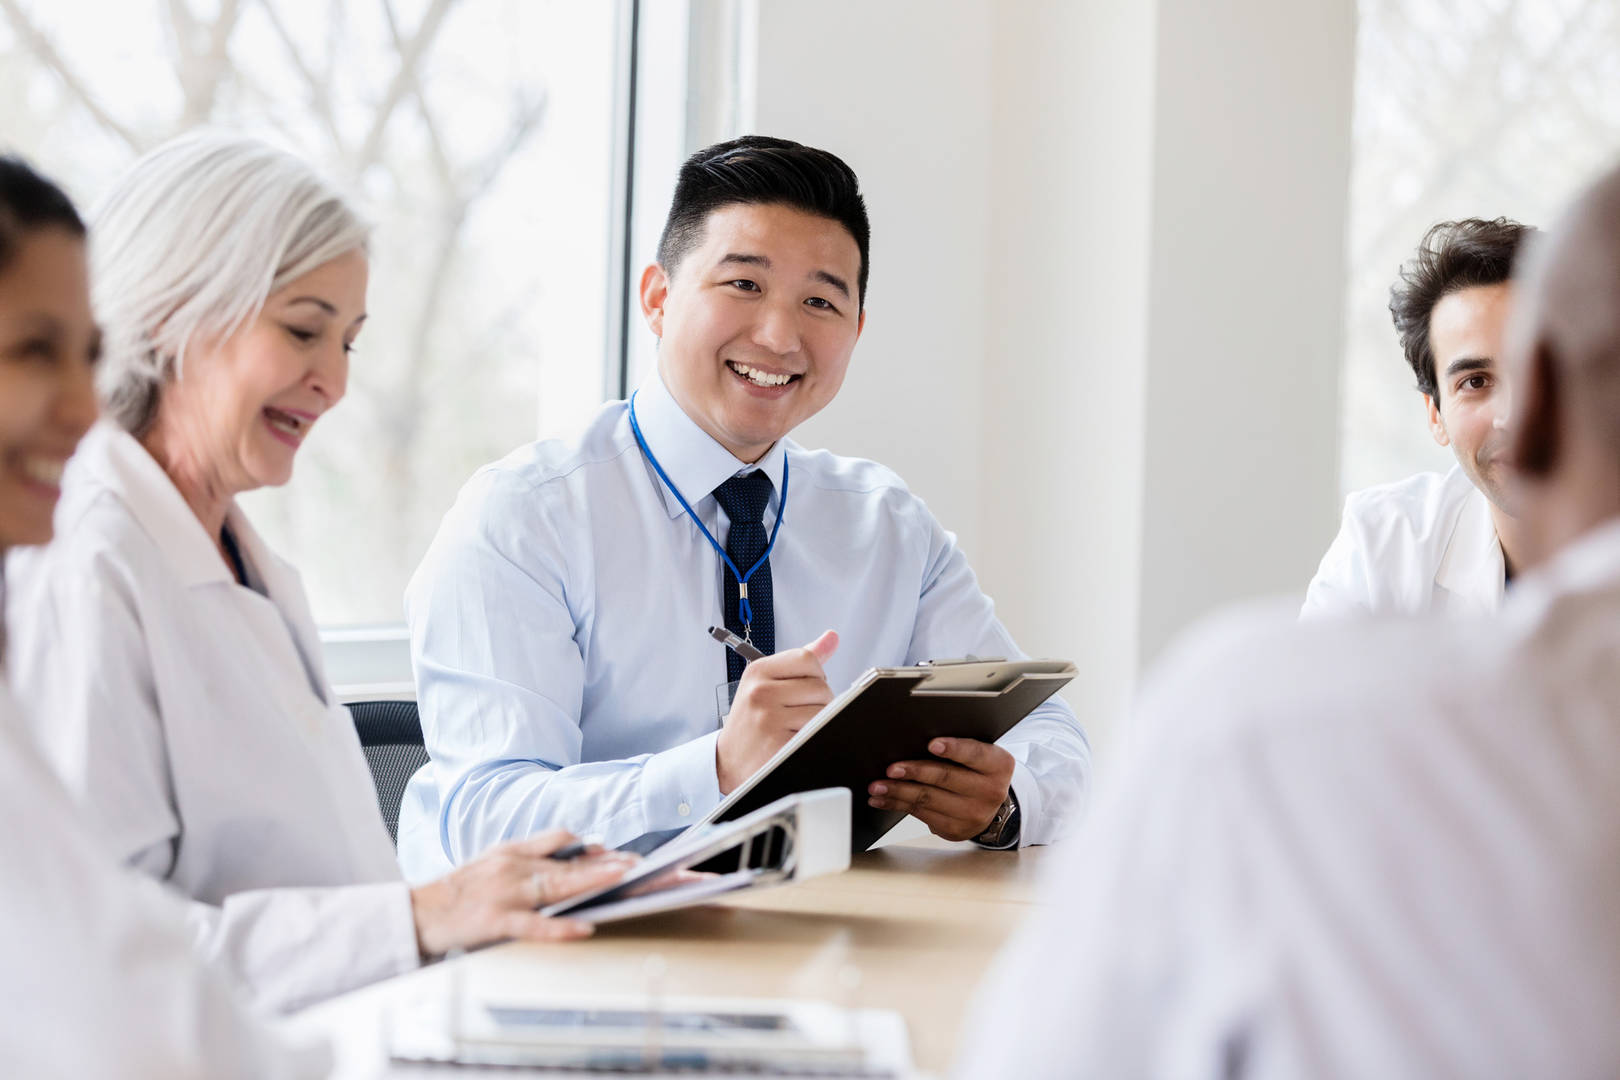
1002	832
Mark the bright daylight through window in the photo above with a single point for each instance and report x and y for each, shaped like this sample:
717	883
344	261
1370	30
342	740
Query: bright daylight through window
478	137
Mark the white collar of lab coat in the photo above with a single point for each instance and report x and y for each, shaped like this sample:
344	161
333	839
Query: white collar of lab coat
693	460
1472	567
118	462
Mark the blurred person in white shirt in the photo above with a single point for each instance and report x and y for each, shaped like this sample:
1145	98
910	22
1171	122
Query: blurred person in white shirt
1373	848
1440	541
97	974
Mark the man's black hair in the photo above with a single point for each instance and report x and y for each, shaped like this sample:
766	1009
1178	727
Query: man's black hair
1454	255
758	169
28	201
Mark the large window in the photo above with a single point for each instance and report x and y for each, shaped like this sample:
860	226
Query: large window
1464	108
485	139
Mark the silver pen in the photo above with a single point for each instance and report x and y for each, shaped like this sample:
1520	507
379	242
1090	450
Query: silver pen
735	644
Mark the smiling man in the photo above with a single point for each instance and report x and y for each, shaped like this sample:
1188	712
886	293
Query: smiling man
558	621
1436	541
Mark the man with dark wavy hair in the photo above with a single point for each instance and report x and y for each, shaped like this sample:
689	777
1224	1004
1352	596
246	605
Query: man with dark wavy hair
1440	541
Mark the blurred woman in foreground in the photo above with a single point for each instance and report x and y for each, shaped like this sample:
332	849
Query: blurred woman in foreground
97	973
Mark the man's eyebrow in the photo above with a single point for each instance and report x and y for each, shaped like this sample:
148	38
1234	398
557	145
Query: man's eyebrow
764	263
1469	363
834	280
330	310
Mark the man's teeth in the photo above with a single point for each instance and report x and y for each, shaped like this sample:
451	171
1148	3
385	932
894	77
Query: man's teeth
760	378
45	471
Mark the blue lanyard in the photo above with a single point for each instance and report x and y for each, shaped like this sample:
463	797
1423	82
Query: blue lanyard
744	609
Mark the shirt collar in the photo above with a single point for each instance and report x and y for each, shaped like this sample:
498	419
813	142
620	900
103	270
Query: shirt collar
115	460
690	457
1472	566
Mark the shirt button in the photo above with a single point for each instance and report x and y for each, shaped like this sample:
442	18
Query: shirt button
683	809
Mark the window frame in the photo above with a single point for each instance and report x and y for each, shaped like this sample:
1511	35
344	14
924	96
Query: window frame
708	46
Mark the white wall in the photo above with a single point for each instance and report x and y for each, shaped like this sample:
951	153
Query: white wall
1107	276
1062	366
1250	200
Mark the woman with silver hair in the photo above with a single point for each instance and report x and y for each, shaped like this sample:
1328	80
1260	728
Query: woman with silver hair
175	655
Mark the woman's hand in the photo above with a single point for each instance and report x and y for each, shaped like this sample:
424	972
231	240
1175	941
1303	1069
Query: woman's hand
495	896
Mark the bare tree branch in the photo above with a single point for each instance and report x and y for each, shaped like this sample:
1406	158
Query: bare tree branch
320	94
185	26
526	117
410	57
334	40
211	66
41	47
441	159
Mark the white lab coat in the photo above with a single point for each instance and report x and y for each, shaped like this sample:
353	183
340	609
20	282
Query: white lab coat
1350	848
1426	543
97	973
193	718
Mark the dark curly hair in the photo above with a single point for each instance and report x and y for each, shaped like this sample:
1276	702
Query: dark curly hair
1454	255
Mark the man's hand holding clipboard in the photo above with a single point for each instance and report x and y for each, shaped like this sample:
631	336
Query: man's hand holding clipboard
918	741
957	795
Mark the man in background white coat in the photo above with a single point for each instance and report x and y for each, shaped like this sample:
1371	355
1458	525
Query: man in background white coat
1434	541
1368	848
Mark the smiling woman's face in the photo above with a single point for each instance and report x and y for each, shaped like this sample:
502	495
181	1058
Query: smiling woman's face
243	406
48	348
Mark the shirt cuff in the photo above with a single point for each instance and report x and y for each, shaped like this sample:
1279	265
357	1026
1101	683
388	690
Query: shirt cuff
679	786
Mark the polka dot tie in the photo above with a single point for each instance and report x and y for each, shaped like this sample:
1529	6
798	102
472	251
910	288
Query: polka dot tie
743	498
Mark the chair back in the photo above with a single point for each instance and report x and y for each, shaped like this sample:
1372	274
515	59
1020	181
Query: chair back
391	735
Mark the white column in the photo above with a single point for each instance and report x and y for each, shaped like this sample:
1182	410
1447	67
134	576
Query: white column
1063	372
1163	363
1245	343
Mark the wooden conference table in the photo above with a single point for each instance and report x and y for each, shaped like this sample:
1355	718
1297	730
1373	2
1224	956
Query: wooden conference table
911	927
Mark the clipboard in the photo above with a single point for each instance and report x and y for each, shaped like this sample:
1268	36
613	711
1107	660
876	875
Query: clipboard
889	715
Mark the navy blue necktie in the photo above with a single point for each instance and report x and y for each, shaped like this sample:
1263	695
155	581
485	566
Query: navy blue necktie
743	498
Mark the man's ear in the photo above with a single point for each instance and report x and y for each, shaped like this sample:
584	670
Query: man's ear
654	294
1533	444
1437	426
860	324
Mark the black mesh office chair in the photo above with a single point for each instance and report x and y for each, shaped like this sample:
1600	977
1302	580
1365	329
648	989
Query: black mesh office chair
391	735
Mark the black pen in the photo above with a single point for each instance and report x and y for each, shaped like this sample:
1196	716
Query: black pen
735	644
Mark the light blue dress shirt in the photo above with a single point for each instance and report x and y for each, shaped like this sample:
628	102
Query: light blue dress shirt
558	622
